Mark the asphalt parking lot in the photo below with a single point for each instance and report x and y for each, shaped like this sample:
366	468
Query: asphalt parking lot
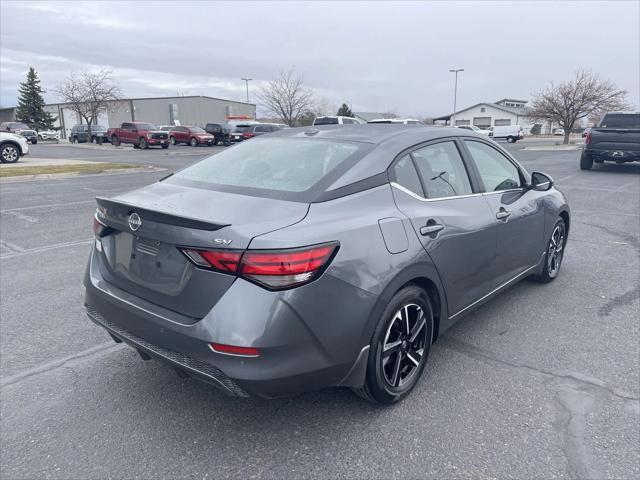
542	382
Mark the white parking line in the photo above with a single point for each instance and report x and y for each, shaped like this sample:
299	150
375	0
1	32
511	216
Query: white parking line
47	205
46	248
21	216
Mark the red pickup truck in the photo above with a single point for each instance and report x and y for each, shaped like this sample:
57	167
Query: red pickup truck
140	134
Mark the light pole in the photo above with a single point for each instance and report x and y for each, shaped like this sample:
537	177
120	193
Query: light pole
455	94
246	81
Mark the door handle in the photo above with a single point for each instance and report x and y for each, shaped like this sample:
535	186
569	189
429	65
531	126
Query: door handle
431	229
503	214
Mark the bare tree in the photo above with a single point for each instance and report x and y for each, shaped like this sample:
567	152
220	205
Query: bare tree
90	94
583	96
286	97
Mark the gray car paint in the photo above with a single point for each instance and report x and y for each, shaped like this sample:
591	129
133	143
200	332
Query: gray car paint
317	335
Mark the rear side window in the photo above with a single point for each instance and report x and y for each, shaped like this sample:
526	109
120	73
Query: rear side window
442	170
496	171
407	176
325	121
621	120
263	128
347	121
276	164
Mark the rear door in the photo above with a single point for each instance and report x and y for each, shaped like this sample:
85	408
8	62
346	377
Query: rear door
432	186
518	213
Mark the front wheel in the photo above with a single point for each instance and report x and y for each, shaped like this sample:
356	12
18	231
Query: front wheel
142	143
586	161
115	141
164	147
34	141
172	140
555	253
399	347
193	142
75	140
9	153
40	138
511	140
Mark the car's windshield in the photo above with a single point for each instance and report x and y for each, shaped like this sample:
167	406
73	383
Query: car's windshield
145	126
326	121
196	130
281	164
19	126
98	128
621	120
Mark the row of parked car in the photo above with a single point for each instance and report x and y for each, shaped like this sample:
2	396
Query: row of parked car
30	134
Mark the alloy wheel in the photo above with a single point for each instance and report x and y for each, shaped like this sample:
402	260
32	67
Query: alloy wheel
555	251
403	345
10	154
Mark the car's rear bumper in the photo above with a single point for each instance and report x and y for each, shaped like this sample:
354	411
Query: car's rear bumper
297	353
614	155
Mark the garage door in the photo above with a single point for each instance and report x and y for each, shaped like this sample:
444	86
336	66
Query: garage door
503	122
482	122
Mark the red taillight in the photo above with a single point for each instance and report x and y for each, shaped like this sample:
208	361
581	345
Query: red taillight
99	228
273	269
587	138
248	134
234	350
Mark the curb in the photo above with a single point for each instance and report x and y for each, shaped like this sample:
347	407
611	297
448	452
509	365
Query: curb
64	176
553	149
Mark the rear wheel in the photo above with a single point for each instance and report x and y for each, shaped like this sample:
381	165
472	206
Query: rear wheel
94	140
34	141
399	347
75	140
586	161
511	140
555	253
165	147
142	143
193	142
115	141
9	153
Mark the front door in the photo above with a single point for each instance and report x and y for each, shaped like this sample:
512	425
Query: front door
453	222
518	214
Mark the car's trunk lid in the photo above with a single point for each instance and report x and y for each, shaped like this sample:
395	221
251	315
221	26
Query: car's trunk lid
615	138
143	257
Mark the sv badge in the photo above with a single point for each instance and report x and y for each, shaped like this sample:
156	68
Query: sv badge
222	241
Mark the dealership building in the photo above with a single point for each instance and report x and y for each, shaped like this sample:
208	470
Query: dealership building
505	112
187	110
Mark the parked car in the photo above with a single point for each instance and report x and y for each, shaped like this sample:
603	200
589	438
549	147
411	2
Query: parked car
30	135
193	136
615	139
558	131
13	127
335	120
404	121
12	147
244	132
80	134
139	134
309	259
48	135
510	133
475	129
166	128
220	132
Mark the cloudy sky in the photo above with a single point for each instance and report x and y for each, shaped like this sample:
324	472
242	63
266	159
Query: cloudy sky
378	56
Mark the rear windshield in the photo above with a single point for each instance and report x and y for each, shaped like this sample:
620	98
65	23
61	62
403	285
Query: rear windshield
98	128
285	165
621	120
325	121
242	129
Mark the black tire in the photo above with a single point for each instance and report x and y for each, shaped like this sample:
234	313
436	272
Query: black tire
586	161
401	320
172	140
9	153
74	139
511	140
94	140
115	141
165	147
554	254
142	143
34	141
193	142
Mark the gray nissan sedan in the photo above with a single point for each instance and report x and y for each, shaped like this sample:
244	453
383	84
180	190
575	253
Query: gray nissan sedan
321	256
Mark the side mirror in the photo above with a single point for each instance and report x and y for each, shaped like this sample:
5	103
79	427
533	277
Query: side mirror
541	182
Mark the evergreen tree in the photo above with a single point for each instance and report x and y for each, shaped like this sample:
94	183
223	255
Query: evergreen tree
344	111
30	108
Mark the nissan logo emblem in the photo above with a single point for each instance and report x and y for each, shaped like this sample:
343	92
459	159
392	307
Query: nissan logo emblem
134	222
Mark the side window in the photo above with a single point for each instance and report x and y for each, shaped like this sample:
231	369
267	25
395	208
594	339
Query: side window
126	126
496	171
407	176
346	121
442	170
261	129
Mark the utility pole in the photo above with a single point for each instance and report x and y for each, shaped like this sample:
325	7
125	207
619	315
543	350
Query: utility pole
455	94
246	81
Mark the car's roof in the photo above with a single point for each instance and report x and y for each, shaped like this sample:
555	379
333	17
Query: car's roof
370	132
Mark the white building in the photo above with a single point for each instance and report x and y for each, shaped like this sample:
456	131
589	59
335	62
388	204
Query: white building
505	112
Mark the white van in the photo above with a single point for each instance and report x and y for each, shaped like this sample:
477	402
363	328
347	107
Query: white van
511	133
335	120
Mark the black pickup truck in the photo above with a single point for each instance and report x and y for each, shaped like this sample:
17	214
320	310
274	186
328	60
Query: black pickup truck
615	139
